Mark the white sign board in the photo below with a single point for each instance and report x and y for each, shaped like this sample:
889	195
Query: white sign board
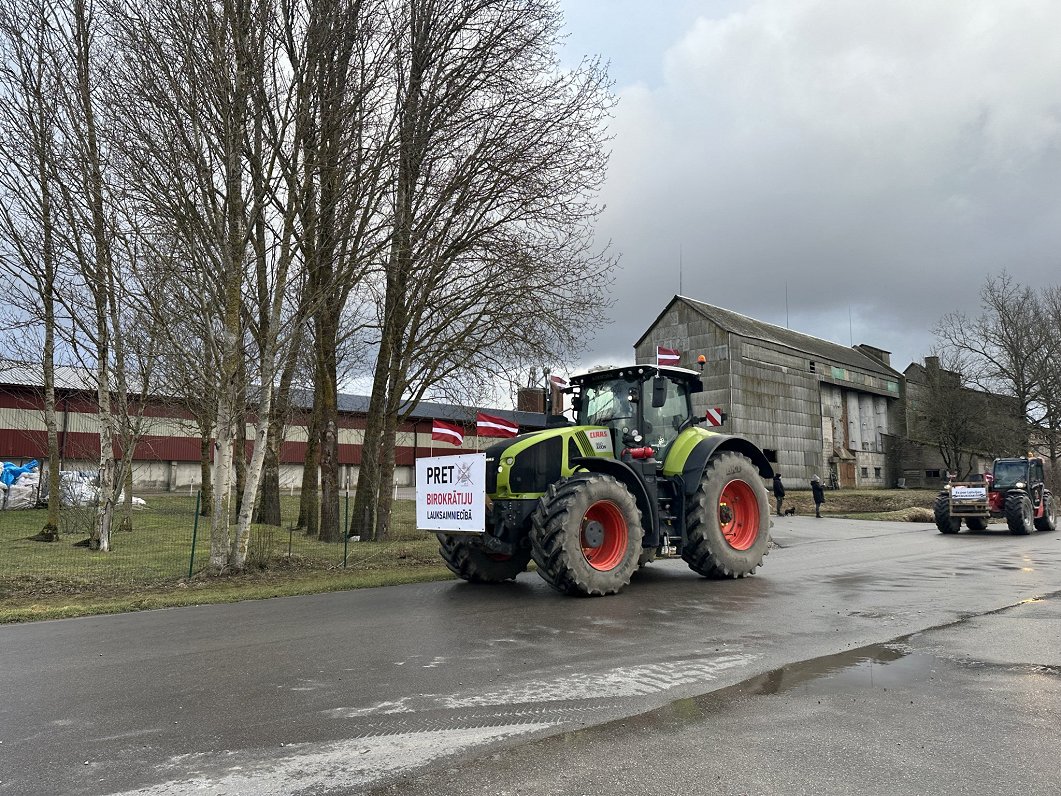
968	493
451	493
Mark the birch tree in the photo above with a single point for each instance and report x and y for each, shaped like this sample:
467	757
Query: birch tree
28	137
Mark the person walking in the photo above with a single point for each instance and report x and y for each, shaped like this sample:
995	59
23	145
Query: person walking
779	492
818	489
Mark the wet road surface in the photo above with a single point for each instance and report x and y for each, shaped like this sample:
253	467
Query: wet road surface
771	684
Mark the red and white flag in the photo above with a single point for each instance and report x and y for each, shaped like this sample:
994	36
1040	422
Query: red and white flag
667	356
558	381
490	426
447	432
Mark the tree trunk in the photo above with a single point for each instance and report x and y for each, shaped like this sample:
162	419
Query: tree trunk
268	511
385	499
50	531
309	500
205	474
329	437
240	461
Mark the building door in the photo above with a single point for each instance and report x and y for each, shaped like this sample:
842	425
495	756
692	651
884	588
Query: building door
847	474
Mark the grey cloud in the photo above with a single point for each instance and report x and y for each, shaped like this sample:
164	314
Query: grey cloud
882	158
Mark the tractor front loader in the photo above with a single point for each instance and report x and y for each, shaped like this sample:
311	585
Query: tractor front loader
635	477
1014	491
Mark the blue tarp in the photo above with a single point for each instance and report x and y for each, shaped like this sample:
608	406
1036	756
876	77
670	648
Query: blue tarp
11	472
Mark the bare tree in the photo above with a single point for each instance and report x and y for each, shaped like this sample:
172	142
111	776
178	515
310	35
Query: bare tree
500	153
1000	351
28	250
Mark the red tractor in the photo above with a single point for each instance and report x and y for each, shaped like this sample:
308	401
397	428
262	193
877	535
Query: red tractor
1014	491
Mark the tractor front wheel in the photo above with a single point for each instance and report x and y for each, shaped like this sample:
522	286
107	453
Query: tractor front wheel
941	511
976	523
1047	522
1019	514
586	535
467	560
728	525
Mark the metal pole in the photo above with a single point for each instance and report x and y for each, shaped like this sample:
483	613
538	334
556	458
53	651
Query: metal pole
195	532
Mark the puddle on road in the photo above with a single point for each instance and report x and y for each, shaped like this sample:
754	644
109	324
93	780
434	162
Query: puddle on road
878	666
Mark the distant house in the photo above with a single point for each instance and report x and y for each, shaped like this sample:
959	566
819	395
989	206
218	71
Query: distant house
994	424
814	406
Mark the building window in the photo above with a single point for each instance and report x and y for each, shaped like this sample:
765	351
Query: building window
865	472
932	474
876	472
813	366
892	386
771	456
839	373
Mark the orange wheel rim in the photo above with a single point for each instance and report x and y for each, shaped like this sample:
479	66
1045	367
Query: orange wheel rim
738	515
604	536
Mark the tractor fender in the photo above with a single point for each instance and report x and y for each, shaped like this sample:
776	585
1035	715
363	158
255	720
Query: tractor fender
707	448
626	475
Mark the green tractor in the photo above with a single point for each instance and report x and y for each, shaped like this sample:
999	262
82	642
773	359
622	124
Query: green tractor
635	477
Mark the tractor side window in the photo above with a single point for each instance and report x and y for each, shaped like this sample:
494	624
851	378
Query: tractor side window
663	423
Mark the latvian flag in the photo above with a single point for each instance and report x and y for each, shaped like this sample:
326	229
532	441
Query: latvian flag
490	426
447	432
558	381
667	356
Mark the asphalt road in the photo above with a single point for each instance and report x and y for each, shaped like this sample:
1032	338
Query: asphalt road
862	658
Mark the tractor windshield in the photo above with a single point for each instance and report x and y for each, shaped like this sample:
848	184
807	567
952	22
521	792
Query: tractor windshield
1009	473
608	404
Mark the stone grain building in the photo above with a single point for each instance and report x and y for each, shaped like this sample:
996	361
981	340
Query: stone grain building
815	407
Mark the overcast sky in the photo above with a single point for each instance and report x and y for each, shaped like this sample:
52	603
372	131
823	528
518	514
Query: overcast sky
878	159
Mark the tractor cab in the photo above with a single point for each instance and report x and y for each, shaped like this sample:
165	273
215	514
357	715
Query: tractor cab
1024	474
643	405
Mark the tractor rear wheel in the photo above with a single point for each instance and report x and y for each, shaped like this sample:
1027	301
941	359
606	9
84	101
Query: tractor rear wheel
1019	514
941	511
976	523
467	560
1047	522
728	525
586	535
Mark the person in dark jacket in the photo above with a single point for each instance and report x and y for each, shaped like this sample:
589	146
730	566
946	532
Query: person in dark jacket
819	494
779	492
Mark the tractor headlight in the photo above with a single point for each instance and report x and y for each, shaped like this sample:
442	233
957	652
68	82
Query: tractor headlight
1020	485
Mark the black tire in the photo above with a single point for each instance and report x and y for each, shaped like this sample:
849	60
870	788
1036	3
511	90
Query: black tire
467	560
1047	522
1019	515
717	547
976	523
586	535
941	510
647	557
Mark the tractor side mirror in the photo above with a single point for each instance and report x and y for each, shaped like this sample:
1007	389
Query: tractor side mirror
659	392
576	402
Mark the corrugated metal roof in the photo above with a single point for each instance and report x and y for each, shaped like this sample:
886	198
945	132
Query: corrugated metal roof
767	332
425	410
66	377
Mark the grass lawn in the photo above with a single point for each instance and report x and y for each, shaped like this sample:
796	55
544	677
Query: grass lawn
148	566
904	505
